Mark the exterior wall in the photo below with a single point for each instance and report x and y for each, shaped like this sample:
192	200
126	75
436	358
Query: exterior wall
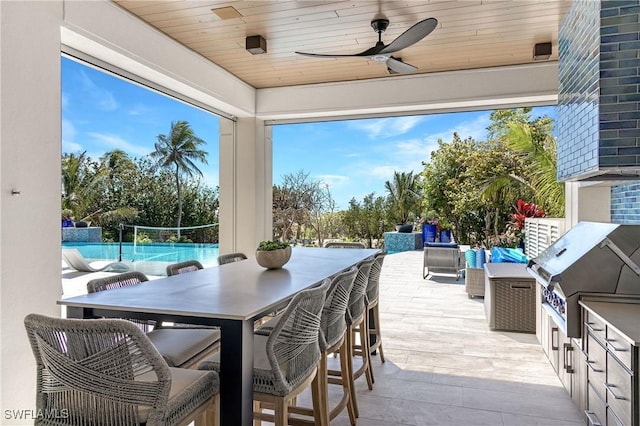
578	74
30	149
598	93
619	84
625	204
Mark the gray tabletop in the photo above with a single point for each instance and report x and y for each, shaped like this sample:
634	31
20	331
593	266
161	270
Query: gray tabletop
238	291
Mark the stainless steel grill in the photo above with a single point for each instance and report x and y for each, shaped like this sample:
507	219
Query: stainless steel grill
591	257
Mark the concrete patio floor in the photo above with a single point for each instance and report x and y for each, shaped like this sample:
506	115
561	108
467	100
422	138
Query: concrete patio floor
444	366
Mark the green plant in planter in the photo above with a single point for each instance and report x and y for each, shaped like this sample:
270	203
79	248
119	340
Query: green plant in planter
273	254
271	245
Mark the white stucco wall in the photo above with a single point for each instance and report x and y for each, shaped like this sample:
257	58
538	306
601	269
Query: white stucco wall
30	128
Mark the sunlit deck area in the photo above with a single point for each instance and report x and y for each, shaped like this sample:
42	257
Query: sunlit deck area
444	366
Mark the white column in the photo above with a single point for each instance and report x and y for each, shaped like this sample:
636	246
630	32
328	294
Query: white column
30	227
586	202
245	184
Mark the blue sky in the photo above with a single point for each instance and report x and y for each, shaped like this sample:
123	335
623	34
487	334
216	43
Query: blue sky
355	157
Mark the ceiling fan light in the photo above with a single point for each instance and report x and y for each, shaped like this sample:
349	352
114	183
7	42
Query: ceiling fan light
380	58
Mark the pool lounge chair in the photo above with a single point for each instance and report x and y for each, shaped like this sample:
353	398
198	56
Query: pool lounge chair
75	260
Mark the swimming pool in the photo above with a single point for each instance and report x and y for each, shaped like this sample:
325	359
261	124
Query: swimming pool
149	252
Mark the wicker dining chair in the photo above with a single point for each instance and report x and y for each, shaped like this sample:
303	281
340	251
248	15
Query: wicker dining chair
345	244
230	258
182	345
107	372
285	362
183	267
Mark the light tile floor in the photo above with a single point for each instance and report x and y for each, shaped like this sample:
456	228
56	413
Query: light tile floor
444	366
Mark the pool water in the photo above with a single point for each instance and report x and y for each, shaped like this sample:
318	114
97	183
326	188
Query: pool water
158	252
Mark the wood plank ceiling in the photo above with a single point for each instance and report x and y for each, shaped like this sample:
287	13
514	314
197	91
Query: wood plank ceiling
470	34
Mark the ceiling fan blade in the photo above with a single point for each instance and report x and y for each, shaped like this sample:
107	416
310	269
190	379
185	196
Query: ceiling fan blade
412	35
398	67
368	52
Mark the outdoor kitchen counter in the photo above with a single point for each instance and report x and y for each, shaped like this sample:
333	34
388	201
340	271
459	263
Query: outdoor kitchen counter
622	317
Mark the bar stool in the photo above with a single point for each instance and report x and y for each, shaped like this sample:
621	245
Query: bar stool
183	267
373	313
286	361
333	327
231	257
357	323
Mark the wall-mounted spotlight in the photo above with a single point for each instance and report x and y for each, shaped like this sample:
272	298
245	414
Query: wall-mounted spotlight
256	44
541	51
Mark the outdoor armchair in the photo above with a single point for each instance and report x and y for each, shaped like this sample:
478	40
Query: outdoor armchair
107	372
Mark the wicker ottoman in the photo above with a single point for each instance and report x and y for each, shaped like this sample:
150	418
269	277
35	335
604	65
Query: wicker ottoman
510	297
474	282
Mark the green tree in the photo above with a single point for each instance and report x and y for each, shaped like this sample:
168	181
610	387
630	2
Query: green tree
179	151
404	195
366	220
80	180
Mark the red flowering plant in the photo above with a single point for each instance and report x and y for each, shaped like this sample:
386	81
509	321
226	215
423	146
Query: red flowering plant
514	233
523	211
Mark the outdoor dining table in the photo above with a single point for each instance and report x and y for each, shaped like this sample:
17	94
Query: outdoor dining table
230	296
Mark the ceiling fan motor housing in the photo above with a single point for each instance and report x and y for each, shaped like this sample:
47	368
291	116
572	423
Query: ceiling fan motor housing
379	25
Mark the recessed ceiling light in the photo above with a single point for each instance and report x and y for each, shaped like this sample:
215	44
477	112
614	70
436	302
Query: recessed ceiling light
228	12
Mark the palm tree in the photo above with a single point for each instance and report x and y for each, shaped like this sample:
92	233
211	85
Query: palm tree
80	179
404	194
178	151
539	151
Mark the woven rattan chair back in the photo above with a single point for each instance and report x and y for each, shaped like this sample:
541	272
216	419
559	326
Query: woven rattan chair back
333	323
357	303
292	348
230	258
344	244
184	267
116	281
87	372
126	279
373	286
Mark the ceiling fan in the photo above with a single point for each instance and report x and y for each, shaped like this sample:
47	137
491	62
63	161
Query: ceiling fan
382	53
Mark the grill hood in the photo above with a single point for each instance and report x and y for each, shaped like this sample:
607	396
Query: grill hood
591	257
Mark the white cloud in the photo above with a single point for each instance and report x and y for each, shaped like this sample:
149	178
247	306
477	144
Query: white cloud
70	147
111	142
333	181
139	110
387	127
103	99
